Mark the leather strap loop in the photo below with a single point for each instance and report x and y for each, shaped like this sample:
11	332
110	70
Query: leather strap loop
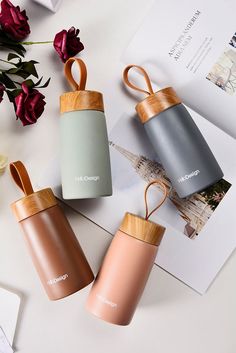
83	74
131	85
148	214
21	177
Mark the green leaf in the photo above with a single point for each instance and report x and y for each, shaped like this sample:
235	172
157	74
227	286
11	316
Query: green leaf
13	70
38	82
11	44
7	42
13	94
5	39
45	84
23	74
23	69
29	67
30	83
10	96
12	56
19	72
18	48
7	81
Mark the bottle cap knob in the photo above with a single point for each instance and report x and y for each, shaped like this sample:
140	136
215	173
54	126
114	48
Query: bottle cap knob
156	102
142	228
79	98
32	202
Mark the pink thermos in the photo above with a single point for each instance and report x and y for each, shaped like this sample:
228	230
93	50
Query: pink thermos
126	267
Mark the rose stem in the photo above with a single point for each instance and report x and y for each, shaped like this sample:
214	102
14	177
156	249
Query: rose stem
17	83
7	62
30	43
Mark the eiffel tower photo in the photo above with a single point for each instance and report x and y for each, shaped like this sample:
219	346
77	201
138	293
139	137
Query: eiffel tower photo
194	210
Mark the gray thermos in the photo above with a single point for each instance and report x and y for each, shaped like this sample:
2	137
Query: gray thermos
183	151
85	159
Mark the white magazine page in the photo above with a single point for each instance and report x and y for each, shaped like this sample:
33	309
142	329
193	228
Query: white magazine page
200	232
9	308
191	45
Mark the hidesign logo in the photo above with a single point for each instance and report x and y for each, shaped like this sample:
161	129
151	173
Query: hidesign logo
87	178
58	279
106	301
189	176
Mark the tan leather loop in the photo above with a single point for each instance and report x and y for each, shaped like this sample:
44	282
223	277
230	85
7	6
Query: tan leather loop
148	214
131	85
21	177
83	74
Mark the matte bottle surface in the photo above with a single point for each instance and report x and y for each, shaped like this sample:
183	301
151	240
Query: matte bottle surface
85	159
56	253
184	153
121	279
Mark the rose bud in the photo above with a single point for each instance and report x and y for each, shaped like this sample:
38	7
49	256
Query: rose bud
13	21
29	105
67	43
2	89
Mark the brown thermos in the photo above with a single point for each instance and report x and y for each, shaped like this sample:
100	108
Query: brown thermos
126	267
53	246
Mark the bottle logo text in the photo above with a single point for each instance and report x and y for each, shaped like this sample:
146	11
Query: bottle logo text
86	178
57	279
189	176
106	301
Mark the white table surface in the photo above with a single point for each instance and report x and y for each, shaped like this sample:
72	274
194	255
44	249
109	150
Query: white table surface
171	317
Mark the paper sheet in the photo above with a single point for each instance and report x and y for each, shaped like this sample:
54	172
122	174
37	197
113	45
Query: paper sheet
9	308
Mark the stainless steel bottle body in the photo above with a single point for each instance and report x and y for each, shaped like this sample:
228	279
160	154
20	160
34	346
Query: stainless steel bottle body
53	246
183	151
56	253
85	159
123	275
122	278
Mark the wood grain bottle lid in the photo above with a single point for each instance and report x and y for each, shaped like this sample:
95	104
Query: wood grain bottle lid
30	205
79	98
33	202
156	102
142	229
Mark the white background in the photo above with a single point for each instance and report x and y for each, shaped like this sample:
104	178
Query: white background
171	317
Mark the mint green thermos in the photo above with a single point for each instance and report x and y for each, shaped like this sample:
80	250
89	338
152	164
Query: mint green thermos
85	158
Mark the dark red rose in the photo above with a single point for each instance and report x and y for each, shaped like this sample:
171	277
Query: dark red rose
29	105
67	43
13	21
2	89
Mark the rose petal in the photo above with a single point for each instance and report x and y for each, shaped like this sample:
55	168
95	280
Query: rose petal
13	21
29	105
67	43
